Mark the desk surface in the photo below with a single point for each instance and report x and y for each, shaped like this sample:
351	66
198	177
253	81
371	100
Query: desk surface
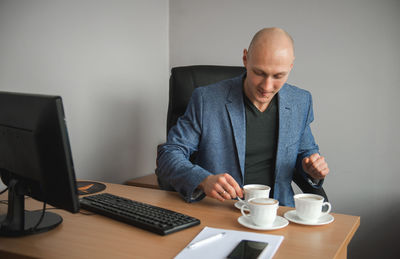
90	236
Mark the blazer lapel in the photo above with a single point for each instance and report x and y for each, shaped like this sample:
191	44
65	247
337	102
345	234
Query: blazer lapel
285	113
235	108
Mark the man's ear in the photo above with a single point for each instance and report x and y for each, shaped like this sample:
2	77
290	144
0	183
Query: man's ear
245	52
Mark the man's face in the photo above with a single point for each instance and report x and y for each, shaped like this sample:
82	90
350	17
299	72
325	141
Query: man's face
267	71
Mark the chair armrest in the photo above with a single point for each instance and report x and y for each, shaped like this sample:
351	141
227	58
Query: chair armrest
305	187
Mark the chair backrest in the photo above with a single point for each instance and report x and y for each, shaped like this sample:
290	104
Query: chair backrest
184	80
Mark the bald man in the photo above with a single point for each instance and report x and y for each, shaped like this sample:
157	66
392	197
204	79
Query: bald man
254	128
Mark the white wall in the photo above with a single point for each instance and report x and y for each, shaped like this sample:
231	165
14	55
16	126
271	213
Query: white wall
109	61
347	56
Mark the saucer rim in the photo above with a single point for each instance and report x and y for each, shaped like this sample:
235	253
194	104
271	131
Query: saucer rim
291	215
255	227
237	205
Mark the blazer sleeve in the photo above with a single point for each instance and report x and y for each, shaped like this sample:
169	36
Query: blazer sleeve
174	168
307	146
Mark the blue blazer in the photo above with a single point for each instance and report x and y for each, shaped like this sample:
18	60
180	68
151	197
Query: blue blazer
214	126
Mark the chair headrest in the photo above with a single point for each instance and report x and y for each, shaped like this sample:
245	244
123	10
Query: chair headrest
185	79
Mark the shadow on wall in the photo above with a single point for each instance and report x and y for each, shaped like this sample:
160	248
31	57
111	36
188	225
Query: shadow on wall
377	236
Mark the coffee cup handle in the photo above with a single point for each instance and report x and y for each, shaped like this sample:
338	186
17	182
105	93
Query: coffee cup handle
326	204
241	199
242	210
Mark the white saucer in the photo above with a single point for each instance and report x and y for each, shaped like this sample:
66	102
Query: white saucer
239	204
324	219
278	223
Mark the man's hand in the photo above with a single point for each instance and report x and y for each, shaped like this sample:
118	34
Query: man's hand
315	166
221	187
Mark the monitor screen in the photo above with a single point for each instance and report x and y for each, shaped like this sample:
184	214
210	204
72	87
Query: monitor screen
35	160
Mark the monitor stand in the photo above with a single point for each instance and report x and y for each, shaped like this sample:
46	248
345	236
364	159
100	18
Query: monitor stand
19	222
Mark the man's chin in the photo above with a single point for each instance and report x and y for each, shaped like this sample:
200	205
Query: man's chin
265	98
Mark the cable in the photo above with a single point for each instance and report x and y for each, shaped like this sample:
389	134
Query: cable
3	191
41	218
86	213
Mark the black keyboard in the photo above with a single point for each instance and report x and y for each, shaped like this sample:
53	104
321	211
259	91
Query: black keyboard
155	219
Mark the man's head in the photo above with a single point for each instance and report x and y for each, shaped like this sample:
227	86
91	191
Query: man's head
268	62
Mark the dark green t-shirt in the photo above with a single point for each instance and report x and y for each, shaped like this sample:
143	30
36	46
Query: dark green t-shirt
261	141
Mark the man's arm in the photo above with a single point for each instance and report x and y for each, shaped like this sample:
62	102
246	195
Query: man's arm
175	169
310	164
173	165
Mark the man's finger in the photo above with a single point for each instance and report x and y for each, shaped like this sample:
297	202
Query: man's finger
228	192
325	172
321	172
320	162
223	188
306	160
231	181
314	157
215	194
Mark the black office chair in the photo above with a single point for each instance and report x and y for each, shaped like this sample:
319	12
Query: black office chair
184	80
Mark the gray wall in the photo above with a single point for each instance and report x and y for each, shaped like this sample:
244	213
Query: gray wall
347	56
109	61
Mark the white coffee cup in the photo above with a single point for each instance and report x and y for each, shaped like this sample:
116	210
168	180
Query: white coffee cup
262	211
255	191
309	206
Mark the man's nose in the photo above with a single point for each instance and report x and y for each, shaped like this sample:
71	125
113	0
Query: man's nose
268	84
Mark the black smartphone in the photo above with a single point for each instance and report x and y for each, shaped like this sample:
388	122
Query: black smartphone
247	249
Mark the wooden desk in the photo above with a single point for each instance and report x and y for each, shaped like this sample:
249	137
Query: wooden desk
95	236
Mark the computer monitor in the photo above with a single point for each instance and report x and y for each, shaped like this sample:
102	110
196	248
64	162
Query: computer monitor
35	160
